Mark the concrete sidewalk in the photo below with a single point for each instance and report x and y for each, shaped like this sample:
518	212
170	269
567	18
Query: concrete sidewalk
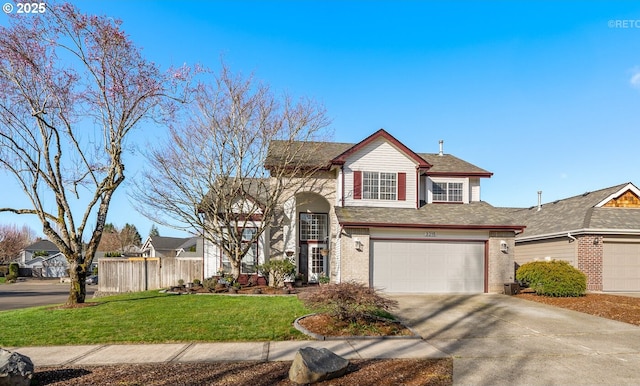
91	355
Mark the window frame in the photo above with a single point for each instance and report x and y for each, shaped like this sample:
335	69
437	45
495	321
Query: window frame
225	261
318	232
380	186
451	192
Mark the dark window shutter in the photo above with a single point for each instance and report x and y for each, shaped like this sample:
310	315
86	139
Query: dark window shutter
357	185
402	186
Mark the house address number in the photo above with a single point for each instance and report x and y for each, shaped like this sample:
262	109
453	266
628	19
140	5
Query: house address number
430	234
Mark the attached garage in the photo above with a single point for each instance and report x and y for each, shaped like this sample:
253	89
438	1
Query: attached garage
428	266
621	266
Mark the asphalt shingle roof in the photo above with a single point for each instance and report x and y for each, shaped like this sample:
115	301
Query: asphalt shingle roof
475	214
168	243
42	245
448	163
578	212
325	152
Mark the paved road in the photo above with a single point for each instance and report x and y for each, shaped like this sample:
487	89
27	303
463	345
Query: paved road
502	340
32	293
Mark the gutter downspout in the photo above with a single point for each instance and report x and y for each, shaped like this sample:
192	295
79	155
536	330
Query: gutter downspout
571	238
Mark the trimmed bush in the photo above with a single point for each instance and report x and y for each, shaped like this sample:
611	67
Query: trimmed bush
279	270
350	301
553	278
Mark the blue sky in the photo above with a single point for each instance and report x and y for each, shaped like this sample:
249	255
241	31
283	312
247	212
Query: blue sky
546	95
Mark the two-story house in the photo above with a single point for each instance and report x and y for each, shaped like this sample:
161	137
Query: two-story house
380	213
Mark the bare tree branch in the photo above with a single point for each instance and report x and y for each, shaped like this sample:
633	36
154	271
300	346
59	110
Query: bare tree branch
65	75
209	176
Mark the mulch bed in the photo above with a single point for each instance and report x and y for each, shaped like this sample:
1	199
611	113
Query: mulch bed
410	372
621	308
326	325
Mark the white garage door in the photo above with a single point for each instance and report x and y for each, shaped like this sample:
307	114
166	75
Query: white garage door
428	267
621	267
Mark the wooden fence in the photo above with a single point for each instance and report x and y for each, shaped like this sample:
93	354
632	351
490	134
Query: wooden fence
141	274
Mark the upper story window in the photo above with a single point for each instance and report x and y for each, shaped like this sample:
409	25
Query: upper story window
447	191
379	186
313	226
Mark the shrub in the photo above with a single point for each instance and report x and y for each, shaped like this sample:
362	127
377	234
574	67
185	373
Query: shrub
349	301
210	283
196	281
553	278
14	270
278	270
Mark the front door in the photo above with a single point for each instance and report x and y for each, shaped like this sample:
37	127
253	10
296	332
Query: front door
317	260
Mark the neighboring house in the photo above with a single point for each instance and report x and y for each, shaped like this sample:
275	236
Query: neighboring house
380	213
41	248
158	246
55	265
597	232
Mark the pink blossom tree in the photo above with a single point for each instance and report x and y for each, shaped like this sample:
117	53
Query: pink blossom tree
72	89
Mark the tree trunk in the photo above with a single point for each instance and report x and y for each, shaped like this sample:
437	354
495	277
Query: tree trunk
235	269
78	289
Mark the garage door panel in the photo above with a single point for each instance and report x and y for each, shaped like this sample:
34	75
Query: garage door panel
621	267
428	267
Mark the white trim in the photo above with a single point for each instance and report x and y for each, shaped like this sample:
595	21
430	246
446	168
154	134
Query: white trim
579	232
618	193
465	188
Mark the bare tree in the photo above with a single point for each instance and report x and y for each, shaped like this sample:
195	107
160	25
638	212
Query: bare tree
73	87
109	241
14	239
117	240
210	176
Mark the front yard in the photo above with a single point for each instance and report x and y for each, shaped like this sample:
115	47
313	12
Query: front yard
151	317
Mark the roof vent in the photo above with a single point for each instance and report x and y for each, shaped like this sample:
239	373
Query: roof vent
539	199
441	148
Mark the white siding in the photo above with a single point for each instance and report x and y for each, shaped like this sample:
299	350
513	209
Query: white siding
474	189
212	253
380	156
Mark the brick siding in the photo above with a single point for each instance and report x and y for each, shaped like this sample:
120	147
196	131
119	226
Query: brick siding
590	260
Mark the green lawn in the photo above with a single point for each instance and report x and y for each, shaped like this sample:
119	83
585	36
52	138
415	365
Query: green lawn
151	317
3	280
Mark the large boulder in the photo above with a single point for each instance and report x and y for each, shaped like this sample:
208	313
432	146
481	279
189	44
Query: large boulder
312	365
15	369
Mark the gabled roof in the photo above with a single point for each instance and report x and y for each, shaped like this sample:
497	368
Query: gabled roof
328	153
340	159
42	245
475	215
166	243
188	243
579	213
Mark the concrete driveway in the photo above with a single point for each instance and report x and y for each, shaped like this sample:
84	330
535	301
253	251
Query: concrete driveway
34	292
502	340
